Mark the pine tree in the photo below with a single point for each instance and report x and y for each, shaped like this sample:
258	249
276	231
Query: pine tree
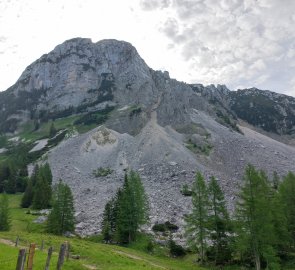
28	196
219	224
106	225
132	208
4	213
42	193
61	218
255	230
45	171
197	221
287	199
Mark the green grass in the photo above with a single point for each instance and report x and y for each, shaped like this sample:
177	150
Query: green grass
102	256
29	134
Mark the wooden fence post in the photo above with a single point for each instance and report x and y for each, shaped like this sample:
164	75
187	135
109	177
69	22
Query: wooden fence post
42	245
21	259
61	256
16	241
67	250
31	256
48	259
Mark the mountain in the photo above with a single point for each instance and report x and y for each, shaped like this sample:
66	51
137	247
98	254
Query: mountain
144	120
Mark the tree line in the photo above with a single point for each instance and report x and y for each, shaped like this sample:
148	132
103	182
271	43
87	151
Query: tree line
261	232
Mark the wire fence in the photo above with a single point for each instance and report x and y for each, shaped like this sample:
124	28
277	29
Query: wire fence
24	259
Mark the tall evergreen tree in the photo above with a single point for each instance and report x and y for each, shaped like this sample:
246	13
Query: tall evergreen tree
61	218
4	213
42	193
255	230
287	198
197	220
219	224
132	208
28	196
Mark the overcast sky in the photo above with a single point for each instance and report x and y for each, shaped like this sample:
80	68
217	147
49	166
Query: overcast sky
240	43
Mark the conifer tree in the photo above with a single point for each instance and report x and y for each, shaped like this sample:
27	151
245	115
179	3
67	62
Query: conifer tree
42	193
4	213
219	224
107	230
28	196
197	220
287	198
61	217
255	230
132	208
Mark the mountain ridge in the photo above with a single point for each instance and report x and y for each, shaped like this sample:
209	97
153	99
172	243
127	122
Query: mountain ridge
146	121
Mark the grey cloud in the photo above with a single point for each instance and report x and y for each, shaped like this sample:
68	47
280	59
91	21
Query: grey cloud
154	4
237	42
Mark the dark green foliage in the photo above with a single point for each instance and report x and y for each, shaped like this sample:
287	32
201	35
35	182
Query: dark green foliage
176	250
159	227
185	191
164	227
197	220
52	130
110	214
218	225
42	193
225	119
4	213
38	191
3	141
287	198
27	198
260	108
97	117
100	172
255	230
125	213
135	110
198	149
61	217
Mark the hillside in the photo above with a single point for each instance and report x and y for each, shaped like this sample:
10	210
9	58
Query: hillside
115	112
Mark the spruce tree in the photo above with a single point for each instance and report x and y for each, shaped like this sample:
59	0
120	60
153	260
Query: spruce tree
106	225
287	199
42	193
61	218
132	208
197	220
255	231
219	224
28	196
4	213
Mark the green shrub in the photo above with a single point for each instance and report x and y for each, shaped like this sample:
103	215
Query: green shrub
185	191
100	172
176	250
164	227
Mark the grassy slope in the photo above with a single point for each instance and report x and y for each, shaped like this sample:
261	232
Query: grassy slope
95	254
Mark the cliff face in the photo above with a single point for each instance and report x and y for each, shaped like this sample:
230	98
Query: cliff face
165	129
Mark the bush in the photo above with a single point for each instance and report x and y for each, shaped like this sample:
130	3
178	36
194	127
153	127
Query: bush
176	250
160	227
164	227
185	191
171	226
101	172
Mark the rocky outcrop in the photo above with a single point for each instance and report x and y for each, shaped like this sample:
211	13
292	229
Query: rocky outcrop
165	129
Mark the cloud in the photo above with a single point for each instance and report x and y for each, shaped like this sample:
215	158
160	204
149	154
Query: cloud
237	42
154	4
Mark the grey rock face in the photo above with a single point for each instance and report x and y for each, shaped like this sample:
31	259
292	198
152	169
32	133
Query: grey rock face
149	129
